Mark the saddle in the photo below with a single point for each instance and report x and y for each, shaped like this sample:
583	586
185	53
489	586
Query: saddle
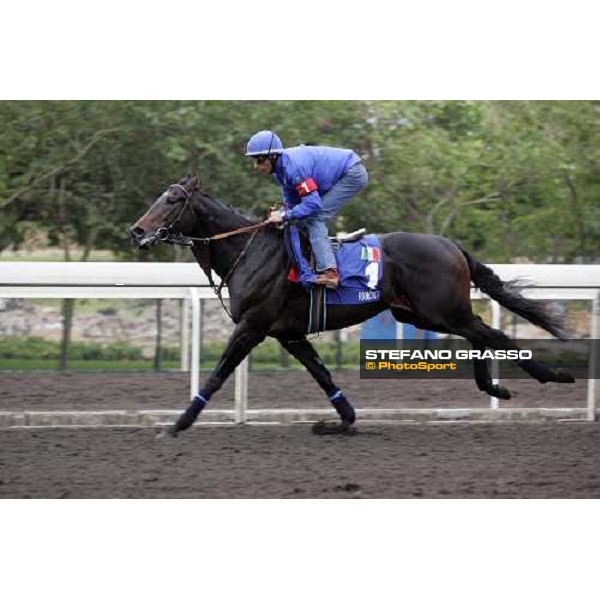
359	262
342	237
308	254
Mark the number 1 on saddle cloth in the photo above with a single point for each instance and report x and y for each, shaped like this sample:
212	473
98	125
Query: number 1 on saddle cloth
359	263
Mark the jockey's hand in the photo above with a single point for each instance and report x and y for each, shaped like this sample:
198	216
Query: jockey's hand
275	216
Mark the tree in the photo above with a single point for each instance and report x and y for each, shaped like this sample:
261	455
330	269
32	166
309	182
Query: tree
506	178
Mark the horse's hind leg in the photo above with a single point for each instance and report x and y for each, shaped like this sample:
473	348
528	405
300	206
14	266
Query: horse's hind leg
482	335
481	371
483	379
304	351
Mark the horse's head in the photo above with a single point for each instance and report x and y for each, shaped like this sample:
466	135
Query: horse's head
170	216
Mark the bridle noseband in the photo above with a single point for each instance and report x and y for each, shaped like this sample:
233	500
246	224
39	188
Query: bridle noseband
168	234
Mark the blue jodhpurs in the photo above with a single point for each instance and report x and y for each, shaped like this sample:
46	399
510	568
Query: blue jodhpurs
355	180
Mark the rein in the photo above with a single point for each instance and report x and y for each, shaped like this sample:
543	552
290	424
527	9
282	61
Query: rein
219	289
221	236
167	235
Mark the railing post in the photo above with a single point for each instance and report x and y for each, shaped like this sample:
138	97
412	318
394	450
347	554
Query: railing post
496	324
184	347
195	366
241	392
594	364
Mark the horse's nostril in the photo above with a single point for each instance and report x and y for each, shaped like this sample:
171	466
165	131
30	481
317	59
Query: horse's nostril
137	231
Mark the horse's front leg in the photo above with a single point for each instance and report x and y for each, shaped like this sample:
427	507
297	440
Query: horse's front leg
304	351
241	342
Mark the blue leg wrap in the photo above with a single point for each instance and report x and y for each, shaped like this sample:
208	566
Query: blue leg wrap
343	408
191	413
200	400
336	395
204	394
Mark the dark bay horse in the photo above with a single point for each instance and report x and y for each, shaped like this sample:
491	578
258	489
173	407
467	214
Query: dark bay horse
426	282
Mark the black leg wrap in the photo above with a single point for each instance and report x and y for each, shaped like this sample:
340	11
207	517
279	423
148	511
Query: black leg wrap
343	408
346	412
186	420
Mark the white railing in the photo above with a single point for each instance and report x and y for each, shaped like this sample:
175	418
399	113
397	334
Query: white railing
187	282
184	281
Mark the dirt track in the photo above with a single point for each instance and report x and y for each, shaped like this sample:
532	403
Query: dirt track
76	391
396	461
523	460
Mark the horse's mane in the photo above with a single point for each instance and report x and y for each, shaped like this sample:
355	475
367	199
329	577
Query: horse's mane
229	208
226	207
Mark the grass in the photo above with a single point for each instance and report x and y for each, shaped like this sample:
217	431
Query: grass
19	365
51	364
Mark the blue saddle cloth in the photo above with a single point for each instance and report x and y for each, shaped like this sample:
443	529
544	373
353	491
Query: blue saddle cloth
359	263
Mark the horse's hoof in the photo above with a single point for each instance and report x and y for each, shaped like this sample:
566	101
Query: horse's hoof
168	433
333	428
502	392
564	376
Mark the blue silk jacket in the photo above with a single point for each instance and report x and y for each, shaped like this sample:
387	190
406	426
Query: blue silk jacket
306	172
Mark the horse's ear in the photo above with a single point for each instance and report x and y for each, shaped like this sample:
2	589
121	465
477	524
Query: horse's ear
194	184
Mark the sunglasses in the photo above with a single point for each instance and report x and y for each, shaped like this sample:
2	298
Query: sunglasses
259	160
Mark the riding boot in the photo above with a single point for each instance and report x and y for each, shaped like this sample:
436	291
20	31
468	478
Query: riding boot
330	278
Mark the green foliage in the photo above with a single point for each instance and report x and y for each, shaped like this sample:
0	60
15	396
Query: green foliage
39	348
35	349
32	347
506	178
37	364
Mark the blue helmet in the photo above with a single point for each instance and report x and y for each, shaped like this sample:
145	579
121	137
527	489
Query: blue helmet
264	142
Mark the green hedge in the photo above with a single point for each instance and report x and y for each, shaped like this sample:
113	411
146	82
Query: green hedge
269	352
39	348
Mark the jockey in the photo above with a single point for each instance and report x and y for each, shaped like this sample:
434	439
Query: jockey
317	182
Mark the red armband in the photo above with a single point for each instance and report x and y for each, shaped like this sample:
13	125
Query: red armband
306	187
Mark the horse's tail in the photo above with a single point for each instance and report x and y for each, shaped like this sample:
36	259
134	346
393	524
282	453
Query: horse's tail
507	293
